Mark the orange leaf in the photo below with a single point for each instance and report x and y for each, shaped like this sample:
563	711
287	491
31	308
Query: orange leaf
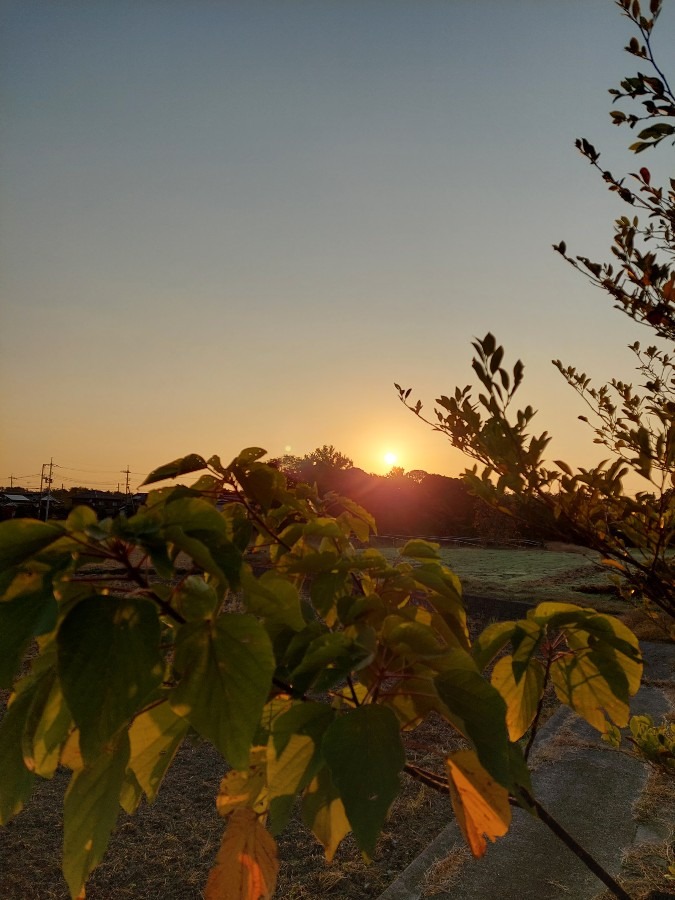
246	866
481	805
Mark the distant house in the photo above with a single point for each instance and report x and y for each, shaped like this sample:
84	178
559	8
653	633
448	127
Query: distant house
17	506
104	503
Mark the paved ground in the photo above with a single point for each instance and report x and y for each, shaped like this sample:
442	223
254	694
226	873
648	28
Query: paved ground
588	788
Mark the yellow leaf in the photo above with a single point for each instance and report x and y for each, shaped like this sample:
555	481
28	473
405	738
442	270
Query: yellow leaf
521	697
70	754
246	867
286	770
155	737
344	698
244	788
324	814
581	685
481	805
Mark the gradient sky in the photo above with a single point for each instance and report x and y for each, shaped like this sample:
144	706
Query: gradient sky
227	224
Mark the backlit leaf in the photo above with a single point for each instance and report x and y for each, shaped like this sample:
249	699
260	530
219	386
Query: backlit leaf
418	549
246	866
324	814
288	772
16	782
155	736
90	810
594	685
521	697
480	804
47	725
182	466
245	788
490	641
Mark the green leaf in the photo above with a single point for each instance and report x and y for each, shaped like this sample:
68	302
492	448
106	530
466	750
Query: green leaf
520	778
195	599
418	549
182	466
248	456
490	641
31	611
80	518
446	598
262	483
411	640
109	662
526	638
477	710
90	810
155	736
365	755
325	590
20	539
329	659
225	670
201	531
306	718
16	782
414	698
275	599
48	723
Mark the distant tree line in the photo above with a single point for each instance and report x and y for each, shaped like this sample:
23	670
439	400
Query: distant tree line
409	503
402	503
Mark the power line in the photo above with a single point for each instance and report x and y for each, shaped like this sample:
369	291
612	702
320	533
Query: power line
95	471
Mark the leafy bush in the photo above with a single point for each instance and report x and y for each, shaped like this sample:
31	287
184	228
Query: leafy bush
238	608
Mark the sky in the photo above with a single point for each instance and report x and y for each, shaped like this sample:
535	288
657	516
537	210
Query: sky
233	224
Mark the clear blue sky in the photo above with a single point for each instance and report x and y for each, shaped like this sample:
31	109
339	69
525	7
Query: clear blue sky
233	223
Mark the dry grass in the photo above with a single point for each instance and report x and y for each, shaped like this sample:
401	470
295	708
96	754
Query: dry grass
644	867
646	625
443	875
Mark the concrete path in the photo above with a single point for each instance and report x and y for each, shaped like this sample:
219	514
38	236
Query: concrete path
587	787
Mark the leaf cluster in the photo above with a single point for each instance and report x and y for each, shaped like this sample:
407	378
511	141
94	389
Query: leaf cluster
635	424
253	613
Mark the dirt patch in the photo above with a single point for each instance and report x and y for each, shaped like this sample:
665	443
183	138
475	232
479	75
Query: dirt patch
167	848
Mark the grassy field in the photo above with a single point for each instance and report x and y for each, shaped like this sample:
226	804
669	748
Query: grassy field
559	572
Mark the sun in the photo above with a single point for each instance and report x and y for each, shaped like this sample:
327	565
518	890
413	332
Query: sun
390	458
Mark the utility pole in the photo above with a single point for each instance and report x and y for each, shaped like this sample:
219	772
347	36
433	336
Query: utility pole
48	481
42	478
127	472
